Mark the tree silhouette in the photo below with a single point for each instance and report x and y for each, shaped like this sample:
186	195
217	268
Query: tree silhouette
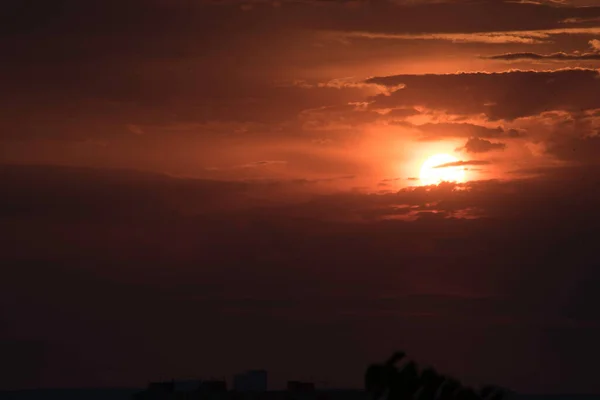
491	392
387	382
449	387
431	382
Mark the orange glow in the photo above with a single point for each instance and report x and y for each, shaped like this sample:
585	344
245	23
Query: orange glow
430	175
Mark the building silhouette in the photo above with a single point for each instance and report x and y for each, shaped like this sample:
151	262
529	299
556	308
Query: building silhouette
184	390
250	381
300	387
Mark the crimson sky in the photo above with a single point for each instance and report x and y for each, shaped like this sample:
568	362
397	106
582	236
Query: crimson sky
195	187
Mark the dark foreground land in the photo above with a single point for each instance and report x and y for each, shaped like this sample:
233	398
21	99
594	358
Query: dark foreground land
126	394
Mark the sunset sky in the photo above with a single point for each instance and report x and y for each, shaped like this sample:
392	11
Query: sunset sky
196	187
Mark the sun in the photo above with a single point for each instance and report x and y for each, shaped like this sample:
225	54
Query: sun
430	175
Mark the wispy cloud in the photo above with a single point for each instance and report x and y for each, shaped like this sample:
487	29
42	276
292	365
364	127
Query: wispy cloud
255	164
135	129
262	164
579	20
347	83
554	56
521	36
558	56
462	163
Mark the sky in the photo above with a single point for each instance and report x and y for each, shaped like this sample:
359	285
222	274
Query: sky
195	188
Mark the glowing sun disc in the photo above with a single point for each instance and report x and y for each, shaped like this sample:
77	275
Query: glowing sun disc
430	175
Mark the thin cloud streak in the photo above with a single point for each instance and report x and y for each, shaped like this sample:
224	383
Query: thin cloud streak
535	56
497	37
463	163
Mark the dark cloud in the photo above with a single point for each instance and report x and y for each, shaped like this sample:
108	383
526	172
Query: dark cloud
391	179
436	131
507	95
581	149
570	136
255	164
346	116
262	163
477	145
401	113
554	56
135	194
455	17
515	133
463	163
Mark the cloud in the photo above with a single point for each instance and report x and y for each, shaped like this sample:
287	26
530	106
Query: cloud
558	56
463	163
135	129
391	179
321	180
554	56
436	131
506	95
486	37
515	133
254	164
580	20
401	113
350	83
421	20
341	117
478	145
262	163
567	136
500	37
